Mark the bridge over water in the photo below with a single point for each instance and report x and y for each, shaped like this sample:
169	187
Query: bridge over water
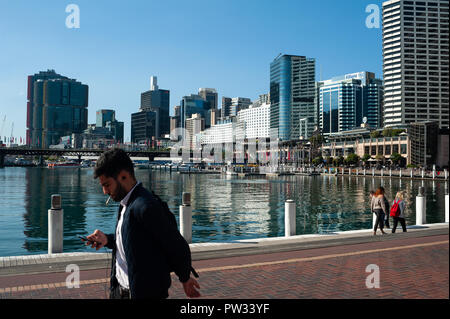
80	153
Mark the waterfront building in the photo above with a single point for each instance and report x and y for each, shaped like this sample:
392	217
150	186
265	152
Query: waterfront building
257	121
416	62
228	130
358	141
345	102
293	113
56	107
424	143
157	100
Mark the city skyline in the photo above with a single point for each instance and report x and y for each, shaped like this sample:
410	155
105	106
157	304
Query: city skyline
233	48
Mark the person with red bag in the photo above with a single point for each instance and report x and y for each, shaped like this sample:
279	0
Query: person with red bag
398	211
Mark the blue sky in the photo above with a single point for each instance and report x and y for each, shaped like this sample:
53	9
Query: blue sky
226	45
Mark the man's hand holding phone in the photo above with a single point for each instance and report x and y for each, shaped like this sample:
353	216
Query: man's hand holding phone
97	239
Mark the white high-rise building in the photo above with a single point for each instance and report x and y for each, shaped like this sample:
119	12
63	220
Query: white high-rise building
416	62
257	121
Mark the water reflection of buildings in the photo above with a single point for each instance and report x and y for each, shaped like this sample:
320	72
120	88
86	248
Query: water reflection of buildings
41	183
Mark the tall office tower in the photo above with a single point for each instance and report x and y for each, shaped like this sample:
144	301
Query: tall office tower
211	97
226	107
143	127
238	104
293	113
157	100
103	116
345	102
416	62
56	107
192	104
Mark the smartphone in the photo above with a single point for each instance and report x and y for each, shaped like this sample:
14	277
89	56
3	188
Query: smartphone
86	239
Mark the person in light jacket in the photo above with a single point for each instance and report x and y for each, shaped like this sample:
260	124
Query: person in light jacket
399	197
378	206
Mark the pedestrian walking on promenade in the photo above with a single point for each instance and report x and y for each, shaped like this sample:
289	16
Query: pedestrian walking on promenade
388	208
398	211
146	245
378	206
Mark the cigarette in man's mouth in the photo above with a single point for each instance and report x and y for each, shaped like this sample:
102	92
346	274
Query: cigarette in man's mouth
107	201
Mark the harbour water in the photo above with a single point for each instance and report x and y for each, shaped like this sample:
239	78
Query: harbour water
225	208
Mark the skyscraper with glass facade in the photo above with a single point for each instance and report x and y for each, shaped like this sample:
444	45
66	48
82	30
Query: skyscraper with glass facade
56	107
293	113
103	116
345	102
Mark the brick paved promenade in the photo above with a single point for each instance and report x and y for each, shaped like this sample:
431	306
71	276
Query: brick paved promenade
410	267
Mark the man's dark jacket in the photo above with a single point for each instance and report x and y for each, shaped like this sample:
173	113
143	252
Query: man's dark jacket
153	247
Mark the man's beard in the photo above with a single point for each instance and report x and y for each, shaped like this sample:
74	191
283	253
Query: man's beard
121	192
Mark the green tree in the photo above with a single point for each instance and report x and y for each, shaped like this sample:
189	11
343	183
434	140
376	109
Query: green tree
365	158
338	161
352	159
318	160
396	158
375	134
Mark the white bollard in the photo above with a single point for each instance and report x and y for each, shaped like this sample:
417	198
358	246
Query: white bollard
400	173
357	172
364	172
349	171
382	174
423	173
434	174
411	173
390	172
186	218
446	208
55	226
289	218
373	171
445	174
421	213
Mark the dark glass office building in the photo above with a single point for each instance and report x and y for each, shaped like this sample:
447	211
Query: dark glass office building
56	107
190	105
345	102
158	101
143	126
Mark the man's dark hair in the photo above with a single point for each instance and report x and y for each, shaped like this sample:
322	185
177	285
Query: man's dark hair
112	162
